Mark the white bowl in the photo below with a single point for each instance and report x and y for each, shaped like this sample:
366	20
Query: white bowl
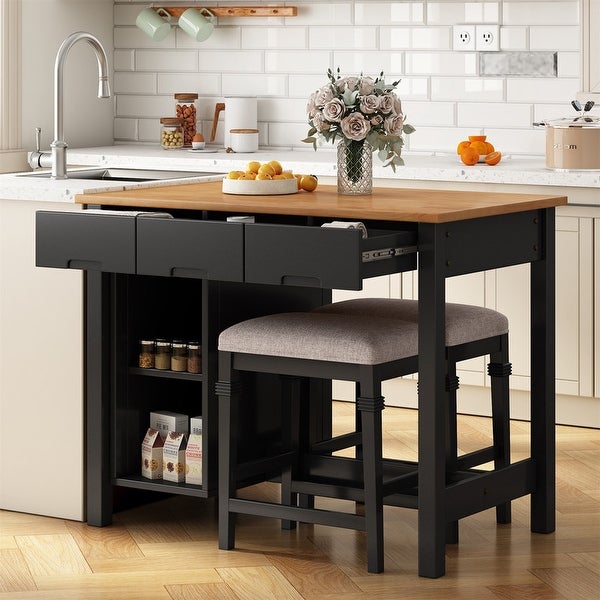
198	145
261	187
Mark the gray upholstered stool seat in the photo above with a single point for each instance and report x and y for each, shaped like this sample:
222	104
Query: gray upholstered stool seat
367	341
464	322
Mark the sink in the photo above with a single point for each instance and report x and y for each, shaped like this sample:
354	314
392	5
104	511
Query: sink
101	174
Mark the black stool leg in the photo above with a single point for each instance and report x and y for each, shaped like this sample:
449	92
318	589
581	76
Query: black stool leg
499	371
452	385
371	404
228	392
290	410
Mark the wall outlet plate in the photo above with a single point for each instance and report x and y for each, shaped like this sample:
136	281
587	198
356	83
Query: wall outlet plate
463	37
487	37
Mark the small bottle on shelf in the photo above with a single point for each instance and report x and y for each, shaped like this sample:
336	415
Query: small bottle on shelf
146	355
179	356
194	358
162	358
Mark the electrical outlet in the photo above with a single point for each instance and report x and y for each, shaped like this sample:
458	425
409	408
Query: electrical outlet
487	37
463	37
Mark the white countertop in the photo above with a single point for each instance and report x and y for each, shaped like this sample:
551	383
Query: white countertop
418	167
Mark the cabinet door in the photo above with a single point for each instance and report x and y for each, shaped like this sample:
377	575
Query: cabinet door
596	296
190	248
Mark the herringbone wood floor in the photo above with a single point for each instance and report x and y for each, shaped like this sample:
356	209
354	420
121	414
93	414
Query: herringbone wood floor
168	550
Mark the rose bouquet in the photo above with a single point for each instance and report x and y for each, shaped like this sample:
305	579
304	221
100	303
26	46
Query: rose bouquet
358	110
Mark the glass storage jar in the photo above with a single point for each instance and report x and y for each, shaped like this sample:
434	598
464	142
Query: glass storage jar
185	109
194	358
171	133
162	358
179	358
146	354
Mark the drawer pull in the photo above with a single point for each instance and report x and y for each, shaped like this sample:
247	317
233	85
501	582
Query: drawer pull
385	253
190	272
89	265
302	280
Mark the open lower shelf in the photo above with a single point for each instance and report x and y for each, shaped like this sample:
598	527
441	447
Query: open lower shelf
167	374
159	485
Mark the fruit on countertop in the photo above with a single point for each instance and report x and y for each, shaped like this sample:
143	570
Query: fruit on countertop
478	149
273	171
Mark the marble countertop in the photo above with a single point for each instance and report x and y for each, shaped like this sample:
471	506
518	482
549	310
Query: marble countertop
418	167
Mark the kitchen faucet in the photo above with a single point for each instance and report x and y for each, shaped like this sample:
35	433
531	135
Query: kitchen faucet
58	158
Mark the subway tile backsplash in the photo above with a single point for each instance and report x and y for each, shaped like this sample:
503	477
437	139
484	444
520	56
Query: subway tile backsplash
446	94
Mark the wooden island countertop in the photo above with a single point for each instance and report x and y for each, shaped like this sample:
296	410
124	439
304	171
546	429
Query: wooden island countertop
390	204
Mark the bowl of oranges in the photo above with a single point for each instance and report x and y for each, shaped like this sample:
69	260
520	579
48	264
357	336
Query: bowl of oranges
478	150
264	179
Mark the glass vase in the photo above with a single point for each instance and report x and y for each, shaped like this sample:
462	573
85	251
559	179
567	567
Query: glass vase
354	167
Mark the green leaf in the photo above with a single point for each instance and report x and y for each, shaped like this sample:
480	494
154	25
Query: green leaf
309	140
312	131
408	129
349	97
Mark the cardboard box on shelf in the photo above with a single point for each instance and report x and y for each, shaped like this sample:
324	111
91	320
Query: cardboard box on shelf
174	457
152	454
166	420
193	459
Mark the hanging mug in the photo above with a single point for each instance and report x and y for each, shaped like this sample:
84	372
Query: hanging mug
153	24
197	23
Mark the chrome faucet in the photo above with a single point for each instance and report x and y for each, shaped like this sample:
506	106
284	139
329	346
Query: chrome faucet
59	146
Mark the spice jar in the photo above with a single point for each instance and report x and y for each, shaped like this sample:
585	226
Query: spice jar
179	358
162	358
185	109
194	358
171	133
146	355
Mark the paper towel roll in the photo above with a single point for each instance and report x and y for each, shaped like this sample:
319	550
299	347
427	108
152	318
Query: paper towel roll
348	225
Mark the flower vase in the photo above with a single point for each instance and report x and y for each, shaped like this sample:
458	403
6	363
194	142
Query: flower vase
354	167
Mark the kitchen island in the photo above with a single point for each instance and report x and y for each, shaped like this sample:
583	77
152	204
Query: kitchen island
456	233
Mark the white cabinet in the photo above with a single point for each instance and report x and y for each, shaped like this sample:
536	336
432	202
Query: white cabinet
590	49
41	373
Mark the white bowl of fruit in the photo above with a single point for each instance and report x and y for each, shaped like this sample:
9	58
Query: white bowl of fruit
264	179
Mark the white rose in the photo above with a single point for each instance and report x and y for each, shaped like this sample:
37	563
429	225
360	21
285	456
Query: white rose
320	123
386	103
347	83
393	124
334	110
366	86
369	104
324	95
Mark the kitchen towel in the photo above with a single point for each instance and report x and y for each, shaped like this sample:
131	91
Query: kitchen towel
348	225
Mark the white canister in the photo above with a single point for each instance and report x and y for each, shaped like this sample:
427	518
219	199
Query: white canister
243	140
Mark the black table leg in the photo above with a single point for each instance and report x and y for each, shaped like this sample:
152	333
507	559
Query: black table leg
542	382
432	370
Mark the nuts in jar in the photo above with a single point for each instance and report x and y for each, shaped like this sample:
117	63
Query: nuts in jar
185	109
146	355
171	135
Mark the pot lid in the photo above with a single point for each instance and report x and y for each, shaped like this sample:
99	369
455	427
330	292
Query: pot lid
578	122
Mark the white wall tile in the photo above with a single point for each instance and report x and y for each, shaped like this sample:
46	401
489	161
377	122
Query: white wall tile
471	89
205	84
175	60
494	114
417	38
547	90
125	14
554	38
144	106
518	141
462	12
413	88
132	37
227	38
437	139
440	63
429	113
281	38
372	63
149	130
282	110
540	13
377	13
297	62
234	61
134	83
288	134
514	38
357	38
301	86
123	60
254	85
318	13
569	64
125	129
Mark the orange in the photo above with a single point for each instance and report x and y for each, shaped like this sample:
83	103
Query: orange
253	166
263	176
276	166
235	174
266	169
489	148
493	158
462	145
308	183
477	138
479	147
469	156
298	179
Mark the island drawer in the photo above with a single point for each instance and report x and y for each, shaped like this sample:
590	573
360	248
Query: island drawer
325	257
97	241
190	248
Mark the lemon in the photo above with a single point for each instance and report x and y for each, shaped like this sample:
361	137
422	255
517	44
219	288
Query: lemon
234	174
263	177
287	175
308	183
266	169
276	166
253	166
249	175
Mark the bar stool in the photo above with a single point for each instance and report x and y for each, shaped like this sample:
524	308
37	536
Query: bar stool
347	343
